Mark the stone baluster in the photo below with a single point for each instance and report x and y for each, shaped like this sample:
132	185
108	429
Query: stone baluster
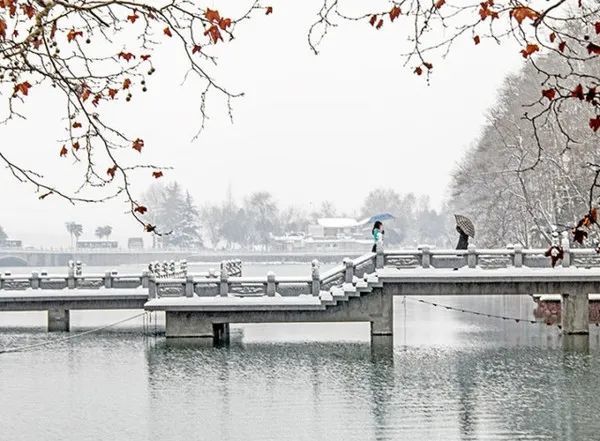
349	270
108	279
471	256
316	278
566	246
189	286
518	256
271	284
78	268
145	278
425	256
35	280
224	284
71	275
152	291
379	257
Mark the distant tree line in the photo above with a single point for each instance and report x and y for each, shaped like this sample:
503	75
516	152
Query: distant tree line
258	217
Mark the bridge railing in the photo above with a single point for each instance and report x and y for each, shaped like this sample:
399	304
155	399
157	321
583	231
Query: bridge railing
351	269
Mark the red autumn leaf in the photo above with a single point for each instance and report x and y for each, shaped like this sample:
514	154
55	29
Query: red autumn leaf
145	57
529	50
72	34
224	23
597	26
395	13
578	92
167	32
111	171
140	209
269	10
149	228
133	17
476	39
428	65
579	235
127	56
53	30
418	70
112	93
214	33
552	37
76	146
28	10
196	48
2	29
562	45
593	49
212	16
138	144
380	24
439	3
96	99
23	87
76	125
126	83
63	151
549	93
373	20
590	95
85	93
520	13
157	174
595	123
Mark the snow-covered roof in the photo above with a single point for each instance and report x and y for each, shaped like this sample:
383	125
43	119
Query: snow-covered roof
337	222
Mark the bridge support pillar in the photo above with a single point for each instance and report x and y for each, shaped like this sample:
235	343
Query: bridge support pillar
382	322
187	324
575	313
58	320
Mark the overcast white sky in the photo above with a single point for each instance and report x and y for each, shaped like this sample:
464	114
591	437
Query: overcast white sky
310	128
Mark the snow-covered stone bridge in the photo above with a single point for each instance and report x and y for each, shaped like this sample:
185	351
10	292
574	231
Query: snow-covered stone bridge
358	290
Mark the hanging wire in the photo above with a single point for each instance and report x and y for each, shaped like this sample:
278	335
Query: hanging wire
482	314
70	337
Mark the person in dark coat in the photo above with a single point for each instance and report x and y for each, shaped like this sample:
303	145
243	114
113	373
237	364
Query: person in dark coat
463	240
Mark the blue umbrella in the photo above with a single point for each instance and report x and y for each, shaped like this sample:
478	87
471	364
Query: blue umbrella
381	217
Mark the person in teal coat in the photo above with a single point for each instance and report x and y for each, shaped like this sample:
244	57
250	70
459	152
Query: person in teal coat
377	233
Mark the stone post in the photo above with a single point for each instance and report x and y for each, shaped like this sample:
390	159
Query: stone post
425	256
189	286
78	268
71	275
379	257
152	291
224	285
471	257
271	286
145	277
35	280
223	267
108	279
566	246
575	310
316	278
349	272
518	256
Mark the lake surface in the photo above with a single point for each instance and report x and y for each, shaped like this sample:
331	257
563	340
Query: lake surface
449	376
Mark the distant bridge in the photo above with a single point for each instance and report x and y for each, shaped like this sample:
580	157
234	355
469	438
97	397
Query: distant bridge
48	258
359	290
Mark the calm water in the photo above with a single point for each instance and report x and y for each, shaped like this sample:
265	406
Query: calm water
449	376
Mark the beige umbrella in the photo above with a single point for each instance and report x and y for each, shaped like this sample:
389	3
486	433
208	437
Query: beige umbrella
465	224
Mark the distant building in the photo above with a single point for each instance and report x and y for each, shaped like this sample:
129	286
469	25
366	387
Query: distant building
10	243
135	243
97	244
